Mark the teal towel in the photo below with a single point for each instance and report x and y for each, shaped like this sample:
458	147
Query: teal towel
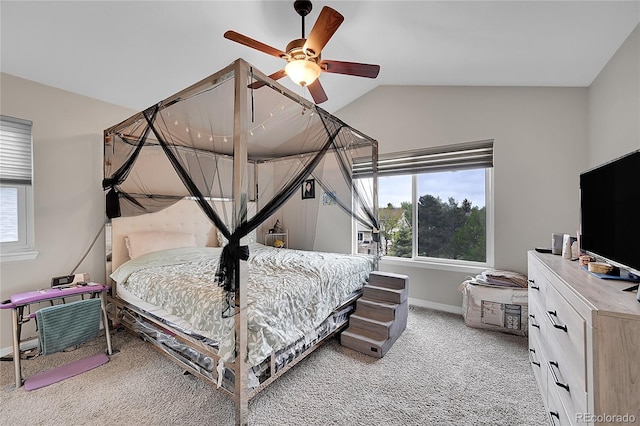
66	325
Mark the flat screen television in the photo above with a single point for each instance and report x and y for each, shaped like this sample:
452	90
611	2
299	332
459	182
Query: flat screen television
610	212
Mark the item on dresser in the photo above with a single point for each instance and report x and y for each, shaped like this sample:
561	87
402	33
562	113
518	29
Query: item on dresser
556	243
575	250
609	225
585	259
600	267
567	243
616	274
543	250
497	308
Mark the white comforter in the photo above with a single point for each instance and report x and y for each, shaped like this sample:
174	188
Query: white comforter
290	291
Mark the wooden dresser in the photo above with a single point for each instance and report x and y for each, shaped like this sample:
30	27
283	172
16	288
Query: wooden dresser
584	343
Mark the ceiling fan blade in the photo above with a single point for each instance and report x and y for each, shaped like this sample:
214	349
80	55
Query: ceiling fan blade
317	92
275	76
247	41
326	25
350	68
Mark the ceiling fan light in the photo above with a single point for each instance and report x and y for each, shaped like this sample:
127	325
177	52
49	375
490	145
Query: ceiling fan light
302	71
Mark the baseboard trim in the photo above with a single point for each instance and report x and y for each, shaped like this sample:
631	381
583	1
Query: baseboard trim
436	306
24	346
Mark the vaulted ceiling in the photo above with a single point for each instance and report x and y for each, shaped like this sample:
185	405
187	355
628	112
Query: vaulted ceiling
135	53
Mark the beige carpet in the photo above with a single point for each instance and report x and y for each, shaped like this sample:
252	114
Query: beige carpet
439	372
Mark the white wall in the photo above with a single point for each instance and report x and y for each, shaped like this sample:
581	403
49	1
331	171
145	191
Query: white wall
297	216
614	105
331	216
311	225
539	150
68	198
544	138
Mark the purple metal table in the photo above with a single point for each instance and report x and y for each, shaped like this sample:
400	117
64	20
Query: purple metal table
18	301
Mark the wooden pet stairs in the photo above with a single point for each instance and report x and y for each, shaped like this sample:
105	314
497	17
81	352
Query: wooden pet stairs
380	316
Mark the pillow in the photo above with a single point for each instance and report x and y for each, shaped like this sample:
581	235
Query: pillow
222	240
139	243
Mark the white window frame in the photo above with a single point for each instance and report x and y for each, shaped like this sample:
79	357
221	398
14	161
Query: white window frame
489	237
24	248
440	263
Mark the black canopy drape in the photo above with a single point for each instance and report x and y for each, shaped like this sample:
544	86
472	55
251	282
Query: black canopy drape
183	147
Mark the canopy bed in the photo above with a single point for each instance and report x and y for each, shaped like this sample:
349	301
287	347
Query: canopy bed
191	181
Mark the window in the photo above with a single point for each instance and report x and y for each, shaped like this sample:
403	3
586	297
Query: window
435	204
16	194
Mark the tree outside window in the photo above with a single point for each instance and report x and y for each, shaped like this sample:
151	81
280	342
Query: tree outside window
453	228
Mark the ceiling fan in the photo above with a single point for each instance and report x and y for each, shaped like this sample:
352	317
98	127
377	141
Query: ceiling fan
303	54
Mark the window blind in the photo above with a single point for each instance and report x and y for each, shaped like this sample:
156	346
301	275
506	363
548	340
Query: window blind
469	155
15	150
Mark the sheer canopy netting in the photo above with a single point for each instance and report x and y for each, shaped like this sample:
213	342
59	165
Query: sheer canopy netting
193	145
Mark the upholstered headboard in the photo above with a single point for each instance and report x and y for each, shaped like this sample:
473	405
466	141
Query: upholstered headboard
183	216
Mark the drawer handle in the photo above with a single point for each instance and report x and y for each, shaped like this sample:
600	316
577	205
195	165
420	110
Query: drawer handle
534	362
553	364
553	321
532	322
533	285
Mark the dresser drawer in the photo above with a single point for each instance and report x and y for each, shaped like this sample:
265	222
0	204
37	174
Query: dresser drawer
537	284
558	414
537	320
538	361
565	385
565	334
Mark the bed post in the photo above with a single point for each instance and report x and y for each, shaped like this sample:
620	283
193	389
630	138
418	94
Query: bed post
240	192
374	164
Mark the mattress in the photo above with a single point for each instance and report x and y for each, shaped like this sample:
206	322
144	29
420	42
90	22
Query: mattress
165	317
290	292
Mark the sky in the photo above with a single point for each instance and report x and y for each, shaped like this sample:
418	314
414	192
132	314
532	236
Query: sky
461	184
